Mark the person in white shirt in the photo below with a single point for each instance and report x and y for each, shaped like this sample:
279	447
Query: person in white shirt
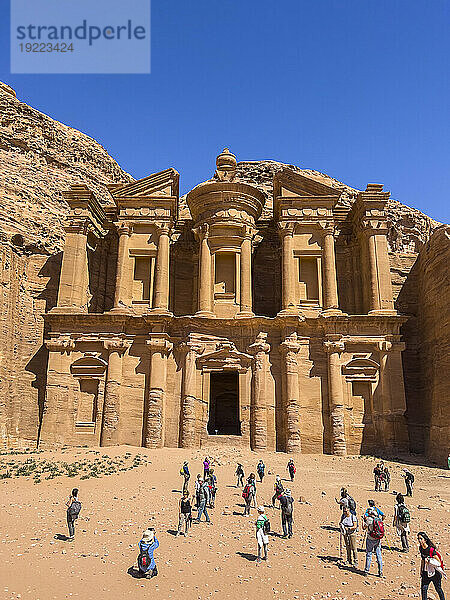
349	526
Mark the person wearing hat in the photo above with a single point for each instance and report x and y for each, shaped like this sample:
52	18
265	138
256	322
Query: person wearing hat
409	480
373	524
184	471
349	526
287	510
146	561
262	528
278	490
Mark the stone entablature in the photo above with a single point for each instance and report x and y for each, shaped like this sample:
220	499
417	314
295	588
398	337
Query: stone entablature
321	373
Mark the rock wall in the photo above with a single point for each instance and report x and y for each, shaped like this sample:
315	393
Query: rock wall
427	360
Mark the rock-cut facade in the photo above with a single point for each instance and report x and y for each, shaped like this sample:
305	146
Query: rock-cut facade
231	316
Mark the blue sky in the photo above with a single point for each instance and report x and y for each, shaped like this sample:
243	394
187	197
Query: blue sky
358	89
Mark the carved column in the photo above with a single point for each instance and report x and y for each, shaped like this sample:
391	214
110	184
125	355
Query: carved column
336	397
330	291
161	286
246	273
290	348
205	273
122	292
289	284
258	405
189	395
110	434
154	421
74	278
380	287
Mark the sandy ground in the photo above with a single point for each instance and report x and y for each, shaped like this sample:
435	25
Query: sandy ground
216	560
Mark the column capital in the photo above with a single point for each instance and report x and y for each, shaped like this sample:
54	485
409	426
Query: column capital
286	228
326	227
373	226
61	344
163	227
260	345
159	344
292	343
201	232
124	229
188	346
334	345
248	232
119	345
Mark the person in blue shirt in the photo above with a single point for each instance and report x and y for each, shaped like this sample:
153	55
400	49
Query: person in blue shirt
261	470
379	512
185	472
146	561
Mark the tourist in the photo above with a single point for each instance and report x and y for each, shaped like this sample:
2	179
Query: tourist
184	471
184	514
386	478
372	504
431	567
346	501
198	484
252	481
377	477
73	510
203	501
409	481
262	529
240	475
287	510
279	489
375	532
401	521
206	467
212	484
349	526
261	470
249	494
146	561
291	468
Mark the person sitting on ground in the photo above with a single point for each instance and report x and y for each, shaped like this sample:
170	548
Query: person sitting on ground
279	489
184	514
184	471
346	501
262	529
291	468
349	526
146	561
409	481
375	532
240	475
73	510
401	521
372	504
431	566
287	510
261	470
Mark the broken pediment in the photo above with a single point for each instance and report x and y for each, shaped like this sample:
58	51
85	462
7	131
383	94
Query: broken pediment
164	183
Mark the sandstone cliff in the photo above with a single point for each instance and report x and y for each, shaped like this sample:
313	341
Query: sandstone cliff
39	158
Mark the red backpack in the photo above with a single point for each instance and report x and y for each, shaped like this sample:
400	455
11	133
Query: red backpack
377	529
246	492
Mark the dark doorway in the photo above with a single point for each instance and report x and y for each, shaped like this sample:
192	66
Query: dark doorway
224	404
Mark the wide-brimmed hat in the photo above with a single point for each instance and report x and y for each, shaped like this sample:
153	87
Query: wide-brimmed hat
148	535
372	512
287	492
260	509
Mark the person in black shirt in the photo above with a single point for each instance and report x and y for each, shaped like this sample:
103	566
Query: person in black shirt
287	509
429	573
240	475
185	514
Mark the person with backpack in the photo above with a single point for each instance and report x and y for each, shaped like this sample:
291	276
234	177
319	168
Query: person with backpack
73	510
146	561
346	501
279	489
240	475
377	477
402	519
261	470
184	514
212	484
375	533
262	529
431	566
291	468
184	472
248	493
206	467
348	527
203	501
372	504
409	481
252	481
287	512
